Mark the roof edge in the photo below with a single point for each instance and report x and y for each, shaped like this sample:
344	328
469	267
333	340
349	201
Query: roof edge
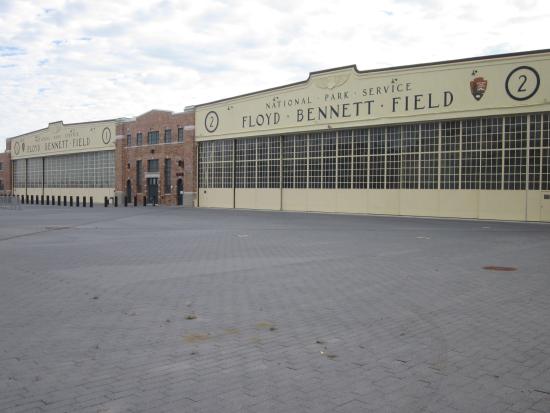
64	124
383	69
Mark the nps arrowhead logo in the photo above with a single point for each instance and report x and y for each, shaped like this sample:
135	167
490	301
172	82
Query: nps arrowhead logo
478	86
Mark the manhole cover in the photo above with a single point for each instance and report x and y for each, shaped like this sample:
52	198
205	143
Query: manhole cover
497	268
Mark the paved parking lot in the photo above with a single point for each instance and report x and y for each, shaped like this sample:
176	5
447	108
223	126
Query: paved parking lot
173	310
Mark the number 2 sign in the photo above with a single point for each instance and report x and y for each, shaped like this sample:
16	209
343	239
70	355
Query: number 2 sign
522	83
211	121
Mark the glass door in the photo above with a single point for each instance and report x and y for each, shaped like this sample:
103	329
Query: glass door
152	190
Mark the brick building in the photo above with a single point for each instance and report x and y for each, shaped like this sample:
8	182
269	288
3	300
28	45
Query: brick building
155	158
5	171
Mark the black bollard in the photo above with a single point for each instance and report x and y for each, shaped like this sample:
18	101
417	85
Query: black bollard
64	200
47	200
125	201
135	200
58	200
71	201
84	201
106	202
53	199
41	199
91	202
78	201
144	200
116	201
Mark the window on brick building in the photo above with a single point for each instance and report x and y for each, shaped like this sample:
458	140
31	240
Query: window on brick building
128	140
153	137
139	173
180	134
167	135
1	185
1	166
167	176
139	138
153	165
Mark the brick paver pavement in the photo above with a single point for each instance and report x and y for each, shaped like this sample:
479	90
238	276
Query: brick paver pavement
191	310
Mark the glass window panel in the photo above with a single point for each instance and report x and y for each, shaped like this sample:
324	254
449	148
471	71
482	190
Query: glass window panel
515	142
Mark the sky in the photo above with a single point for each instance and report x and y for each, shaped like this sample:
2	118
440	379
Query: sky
80	61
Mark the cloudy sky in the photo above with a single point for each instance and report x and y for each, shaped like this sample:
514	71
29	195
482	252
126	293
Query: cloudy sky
89	60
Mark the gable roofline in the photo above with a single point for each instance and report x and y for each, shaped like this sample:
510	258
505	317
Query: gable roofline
383	69
64	124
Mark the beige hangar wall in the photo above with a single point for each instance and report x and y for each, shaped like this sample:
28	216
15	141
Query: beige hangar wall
64	139
345	98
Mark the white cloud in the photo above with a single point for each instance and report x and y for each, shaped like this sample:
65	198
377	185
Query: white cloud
80	60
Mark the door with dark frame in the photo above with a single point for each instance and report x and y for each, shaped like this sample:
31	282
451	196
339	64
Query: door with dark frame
180	191
152	190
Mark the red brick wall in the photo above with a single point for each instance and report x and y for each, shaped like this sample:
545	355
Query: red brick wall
157	120
5	173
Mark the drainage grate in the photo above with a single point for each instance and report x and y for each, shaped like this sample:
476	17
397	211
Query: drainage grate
497	268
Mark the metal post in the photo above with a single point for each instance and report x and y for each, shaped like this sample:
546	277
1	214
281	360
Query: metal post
91	202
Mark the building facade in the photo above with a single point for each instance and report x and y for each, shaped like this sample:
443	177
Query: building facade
156	158
61	160
467	139
5	172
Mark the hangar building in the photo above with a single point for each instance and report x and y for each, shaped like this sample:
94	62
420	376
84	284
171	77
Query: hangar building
466	138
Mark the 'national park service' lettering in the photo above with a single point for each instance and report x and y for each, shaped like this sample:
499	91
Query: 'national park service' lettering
347	98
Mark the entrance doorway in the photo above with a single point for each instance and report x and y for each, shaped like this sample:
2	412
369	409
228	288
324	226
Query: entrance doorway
129	190
153	190
180	191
